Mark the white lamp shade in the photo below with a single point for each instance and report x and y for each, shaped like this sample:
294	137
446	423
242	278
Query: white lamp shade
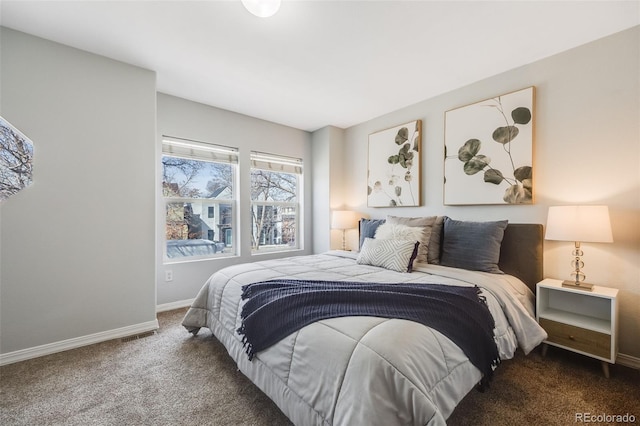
262	8
344	219
589	224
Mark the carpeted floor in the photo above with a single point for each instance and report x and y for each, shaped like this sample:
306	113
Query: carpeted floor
173	378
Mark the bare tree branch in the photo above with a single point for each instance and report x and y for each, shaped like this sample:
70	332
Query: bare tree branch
16	155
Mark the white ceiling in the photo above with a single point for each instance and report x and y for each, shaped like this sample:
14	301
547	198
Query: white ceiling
319	63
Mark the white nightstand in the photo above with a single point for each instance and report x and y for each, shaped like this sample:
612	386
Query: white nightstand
581	321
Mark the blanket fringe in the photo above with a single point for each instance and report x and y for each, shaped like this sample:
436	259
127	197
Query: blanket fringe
246	345
481	297
246	291
485	382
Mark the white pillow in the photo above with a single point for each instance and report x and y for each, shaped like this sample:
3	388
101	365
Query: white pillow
396	231
428	224
397	255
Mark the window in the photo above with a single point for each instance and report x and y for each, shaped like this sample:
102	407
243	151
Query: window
198	185
275	206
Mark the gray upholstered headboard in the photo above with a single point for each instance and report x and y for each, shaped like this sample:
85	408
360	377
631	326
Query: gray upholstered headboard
521	252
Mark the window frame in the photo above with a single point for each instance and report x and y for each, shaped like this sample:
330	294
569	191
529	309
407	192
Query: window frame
204	152
276	163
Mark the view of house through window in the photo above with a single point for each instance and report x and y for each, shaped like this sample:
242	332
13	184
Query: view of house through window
198	185
275	208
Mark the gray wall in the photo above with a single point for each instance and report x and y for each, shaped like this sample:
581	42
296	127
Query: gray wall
586	151
185	119
78	245
327	144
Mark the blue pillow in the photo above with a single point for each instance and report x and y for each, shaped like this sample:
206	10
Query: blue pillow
472	245
368	228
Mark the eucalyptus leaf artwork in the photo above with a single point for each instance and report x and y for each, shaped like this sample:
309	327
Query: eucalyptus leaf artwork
489	150
16	155
394	166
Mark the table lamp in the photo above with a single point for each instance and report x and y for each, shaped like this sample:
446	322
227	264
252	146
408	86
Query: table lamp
344	219
580	224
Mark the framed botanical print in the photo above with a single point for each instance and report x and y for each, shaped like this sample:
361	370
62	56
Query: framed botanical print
393	171
489	151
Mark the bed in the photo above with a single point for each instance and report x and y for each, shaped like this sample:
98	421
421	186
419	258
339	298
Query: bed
364	369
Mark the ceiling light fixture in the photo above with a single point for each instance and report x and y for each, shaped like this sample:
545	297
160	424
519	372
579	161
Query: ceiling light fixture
262	8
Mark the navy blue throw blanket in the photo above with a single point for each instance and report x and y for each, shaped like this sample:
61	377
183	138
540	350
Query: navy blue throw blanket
277	308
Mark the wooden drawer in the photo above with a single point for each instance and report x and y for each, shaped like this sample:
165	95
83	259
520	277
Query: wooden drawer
592	342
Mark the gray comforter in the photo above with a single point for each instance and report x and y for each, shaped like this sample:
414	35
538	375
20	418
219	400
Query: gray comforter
363	370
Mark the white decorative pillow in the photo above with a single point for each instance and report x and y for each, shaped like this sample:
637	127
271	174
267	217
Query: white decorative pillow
397	255
394	231
426	223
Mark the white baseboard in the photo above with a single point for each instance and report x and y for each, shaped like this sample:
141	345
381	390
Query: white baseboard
174	305
628	361
76	342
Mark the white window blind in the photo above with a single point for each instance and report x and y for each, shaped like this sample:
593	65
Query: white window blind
194	150
276	163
